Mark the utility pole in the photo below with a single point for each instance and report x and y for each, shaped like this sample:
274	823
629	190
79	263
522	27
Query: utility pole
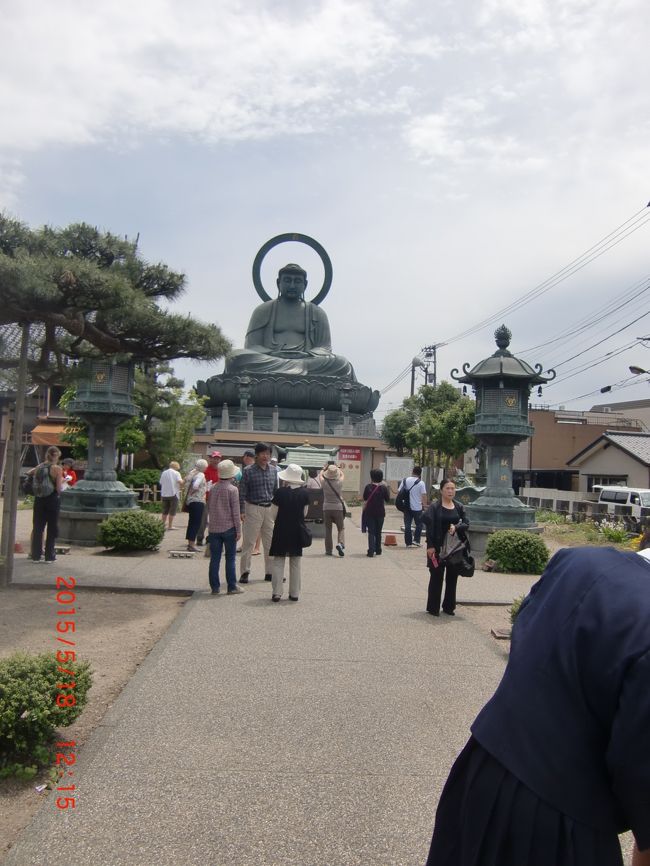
431	357
12	477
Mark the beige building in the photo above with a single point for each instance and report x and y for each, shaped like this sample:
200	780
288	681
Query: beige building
614	458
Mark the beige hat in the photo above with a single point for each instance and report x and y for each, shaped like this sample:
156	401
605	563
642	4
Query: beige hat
227	469
201	465
333	473
292	475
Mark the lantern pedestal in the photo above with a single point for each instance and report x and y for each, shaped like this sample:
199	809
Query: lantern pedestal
104	401
502	385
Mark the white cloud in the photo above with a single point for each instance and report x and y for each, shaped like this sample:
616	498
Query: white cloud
214	70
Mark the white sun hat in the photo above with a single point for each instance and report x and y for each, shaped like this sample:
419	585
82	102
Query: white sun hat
292	475
227	469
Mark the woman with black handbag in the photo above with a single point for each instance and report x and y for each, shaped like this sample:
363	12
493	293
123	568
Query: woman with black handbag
444	518
290	535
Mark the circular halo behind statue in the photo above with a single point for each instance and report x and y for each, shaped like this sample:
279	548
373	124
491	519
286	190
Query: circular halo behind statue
302	239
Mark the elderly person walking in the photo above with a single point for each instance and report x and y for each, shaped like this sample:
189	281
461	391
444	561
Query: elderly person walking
171	483
224	527
289	531
195	490
333	507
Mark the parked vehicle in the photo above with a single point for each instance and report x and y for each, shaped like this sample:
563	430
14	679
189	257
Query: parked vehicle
636	497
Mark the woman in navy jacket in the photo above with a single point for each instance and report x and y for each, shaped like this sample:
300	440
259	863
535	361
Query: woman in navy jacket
558	763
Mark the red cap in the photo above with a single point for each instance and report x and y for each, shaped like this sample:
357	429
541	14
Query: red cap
214	454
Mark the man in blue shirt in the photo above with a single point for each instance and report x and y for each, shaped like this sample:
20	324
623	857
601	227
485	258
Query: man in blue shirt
258	483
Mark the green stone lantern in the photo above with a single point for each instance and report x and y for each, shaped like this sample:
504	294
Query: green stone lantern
104	401
502	385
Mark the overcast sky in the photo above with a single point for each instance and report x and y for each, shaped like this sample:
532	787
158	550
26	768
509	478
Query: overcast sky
450	156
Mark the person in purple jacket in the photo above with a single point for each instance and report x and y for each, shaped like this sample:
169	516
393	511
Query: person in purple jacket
375	496
558	763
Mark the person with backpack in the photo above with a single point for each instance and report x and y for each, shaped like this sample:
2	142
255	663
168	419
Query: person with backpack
47	479
413	509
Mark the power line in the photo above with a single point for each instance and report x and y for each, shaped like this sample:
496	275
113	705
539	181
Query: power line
614	305
612	239
630	226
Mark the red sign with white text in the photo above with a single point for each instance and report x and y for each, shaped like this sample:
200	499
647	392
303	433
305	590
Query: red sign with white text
351	454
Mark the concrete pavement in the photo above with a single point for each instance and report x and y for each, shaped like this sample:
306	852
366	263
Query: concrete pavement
315	733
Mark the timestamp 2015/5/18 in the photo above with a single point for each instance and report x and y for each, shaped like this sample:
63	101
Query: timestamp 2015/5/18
65	697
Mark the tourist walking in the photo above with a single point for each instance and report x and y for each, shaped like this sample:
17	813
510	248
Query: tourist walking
417	491
211	478
331	479
195	490
290	533
171	484
224	527
375	496
259	482
447	515
47	483
558	762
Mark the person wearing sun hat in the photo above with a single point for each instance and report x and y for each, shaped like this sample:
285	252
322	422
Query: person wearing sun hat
224	527
333	507
289	531
211	478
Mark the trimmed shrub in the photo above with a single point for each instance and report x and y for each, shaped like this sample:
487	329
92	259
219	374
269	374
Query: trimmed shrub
131	530
518	551
29	713
139	477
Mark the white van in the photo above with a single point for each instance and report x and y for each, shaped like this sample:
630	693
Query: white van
636	497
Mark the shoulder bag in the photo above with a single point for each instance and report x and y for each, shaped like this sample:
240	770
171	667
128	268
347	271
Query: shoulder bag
346	513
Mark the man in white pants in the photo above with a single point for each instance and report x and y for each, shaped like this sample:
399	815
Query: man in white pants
256	488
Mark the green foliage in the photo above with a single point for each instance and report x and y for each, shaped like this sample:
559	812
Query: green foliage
168	421
29	714
613	532
513	610
93	295
517	551
131	530
152	507
432	425
546	516
395	428
139	477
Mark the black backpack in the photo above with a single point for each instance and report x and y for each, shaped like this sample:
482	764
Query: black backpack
403	498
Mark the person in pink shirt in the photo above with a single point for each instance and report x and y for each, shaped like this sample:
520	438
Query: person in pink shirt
224	528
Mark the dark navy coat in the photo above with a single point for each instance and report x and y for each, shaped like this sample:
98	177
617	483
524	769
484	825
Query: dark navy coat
571	717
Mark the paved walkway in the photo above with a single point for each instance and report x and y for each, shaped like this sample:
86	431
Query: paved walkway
314	734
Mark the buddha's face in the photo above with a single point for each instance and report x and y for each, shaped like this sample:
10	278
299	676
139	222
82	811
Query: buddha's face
291	285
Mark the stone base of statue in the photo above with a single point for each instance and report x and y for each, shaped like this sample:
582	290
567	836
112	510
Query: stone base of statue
84	506
290	392
300	404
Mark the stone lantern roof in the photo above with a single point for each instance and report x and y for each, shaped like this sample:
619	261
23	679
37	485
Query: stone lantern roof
503	365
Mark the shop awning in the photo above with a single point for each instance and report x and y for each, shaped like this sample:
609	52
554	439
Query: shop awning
48	434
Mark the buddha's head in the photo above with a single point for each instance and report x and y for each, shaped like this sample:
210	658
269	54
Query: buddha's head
292	282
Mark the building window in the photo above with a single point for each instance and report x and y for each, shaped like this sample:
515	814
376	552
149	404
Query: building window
605	481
